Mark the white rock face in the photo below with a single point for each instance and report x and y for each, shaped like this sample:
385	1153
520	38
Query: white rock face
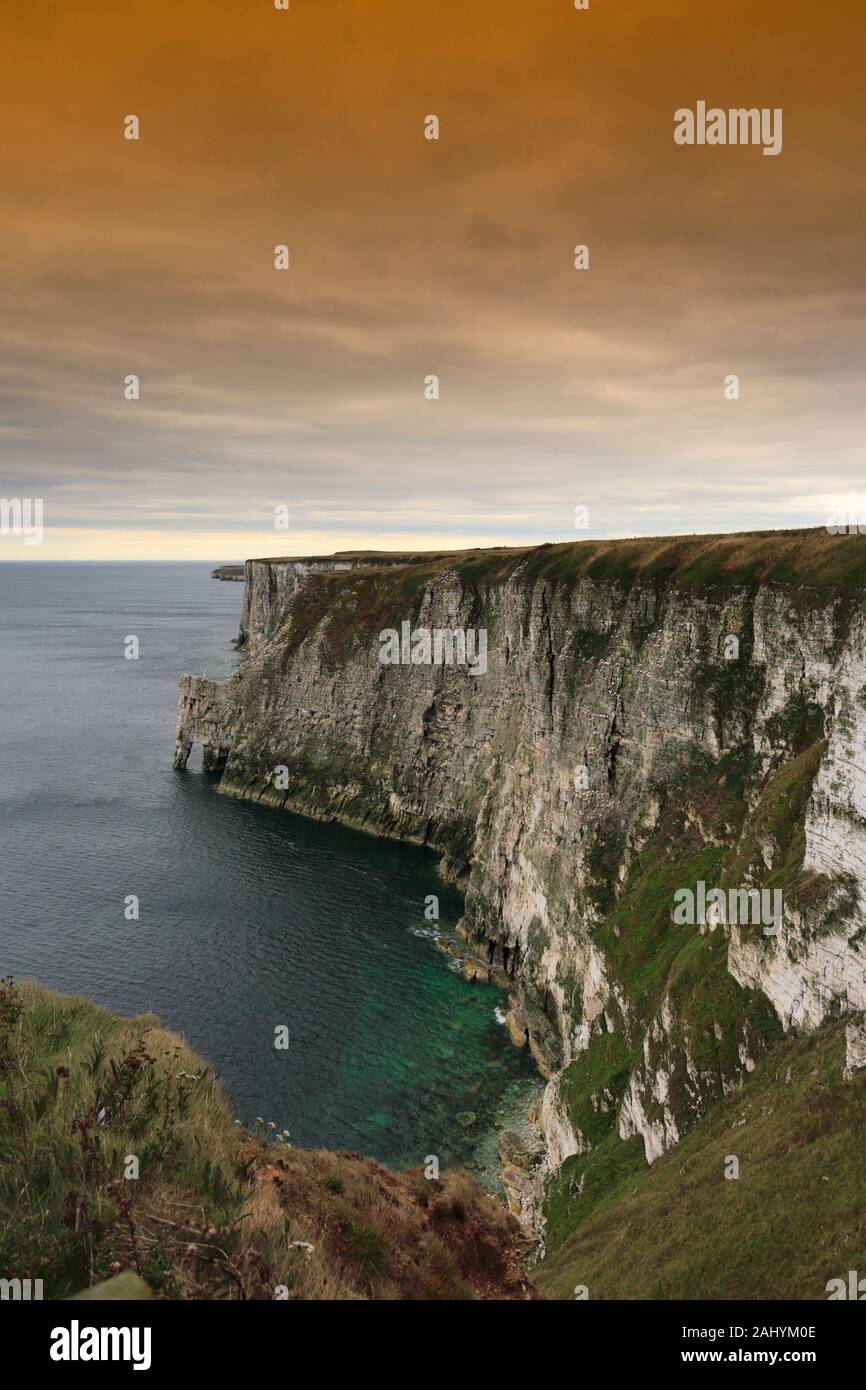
805	976
593	677
560	1139
650	1084
855	1046
658	1134
836	822
802	979
269	588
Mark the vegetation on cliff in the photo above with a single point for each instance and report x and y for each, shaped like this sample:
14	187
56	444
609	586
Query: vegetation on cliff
811	558
719	818
346	608
660	714
809	562
792	1220
215	1211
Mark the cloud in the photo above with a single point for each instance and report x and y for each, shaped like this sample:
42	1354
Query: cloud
409	257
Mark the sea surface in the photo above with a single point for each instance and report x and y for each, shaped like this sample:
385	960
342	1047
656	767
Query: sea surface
249	917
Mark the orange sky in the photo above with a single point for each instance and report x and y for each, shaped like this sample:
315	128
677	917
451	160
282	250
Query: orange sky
410	257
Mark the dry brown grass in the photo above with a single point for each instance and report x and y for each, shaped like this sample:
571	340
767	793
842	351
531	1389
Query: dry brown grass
386	1235
216	1212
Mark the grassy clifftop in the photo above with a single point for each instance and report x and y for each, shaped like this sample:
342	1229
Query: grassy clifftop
214	1211
810	559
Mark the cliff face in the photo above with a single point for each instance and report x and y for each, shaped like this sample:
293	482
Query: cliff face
269	589
653	715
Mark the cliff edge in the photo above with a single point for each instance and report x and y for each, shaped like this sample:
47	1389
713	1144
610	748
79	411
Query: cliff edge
122	1163
656	721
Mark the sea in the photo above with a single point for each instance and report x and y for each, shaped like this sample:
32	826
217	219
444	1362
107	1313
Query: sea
249	919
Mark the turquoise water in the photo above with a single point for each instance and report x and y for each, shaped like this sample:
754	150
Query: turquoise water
250	918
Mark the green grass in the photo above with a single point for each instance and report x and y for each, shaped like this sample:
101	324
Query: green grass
793	1219
81	1092
813	564
215	1211
367	1248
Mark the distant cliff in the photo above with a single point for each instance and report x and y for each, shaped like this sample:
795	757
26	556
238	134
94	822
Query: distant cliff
654	715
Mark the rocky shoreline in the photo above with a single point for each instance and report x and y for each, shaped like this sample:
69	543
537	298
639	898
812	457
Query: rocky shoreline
522	1155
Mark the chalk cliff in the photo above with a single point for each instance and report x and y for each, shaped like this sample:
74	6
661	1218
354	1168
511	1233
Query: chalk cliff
653	714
